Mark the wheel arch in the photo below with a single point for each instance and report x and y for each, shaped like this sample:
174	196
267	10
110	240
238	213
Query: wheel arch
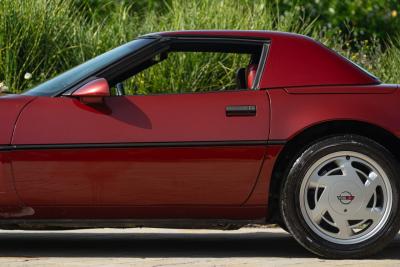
311	135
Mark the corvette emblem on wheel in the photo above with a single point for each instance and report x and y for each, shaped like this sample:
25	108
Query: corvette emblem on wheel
345	197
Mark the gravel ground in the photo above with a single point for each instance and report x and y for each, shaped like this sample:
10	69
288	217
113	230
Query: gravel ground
164	247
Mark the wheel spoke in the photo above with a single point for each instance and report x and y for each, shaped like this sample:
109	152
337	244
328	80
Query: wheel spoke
341	222
370	186
373	214
349	172
321	206
323	181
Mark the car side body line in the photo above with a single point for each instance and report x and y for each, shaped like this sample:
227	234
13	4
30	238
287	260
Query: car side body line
141	145
343	89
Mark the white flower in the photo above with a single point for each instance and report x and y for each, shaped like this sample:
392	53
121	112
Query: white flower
3	87
27	76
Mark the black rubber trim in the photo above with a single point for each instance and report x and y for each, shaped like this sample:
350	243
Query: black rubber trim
141	145
276	142
204	37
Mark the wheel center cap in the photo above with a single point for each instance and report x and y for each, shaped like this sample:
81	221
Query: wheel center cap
345	197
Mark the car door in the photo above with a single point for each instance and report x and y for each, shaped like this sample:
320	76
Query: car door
174	149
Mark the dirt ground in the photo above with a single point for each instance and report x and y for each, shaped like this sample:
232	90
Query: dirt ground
163	247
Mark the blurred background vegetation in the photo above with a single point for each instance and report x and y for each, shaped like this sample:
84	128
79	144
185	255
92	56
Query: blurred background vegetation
41	38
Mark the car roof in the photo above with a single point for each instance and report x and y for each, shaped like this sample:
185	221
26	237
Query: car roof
259	34
293	60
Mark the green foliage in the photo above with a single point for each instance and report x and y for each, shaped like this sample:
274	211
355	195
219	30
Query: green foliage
188	72
33	35
356	19
206	14
385	64
47	37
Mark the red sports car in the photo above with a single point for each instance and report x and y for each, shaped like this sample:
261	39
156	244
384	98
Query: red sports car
303	138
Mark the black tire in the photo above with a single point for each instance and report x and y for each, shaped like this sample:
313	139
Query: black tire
290	193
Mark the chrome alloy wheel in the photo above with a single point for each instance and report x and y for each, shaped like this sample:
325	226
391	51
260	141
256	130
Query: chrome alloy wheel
345	197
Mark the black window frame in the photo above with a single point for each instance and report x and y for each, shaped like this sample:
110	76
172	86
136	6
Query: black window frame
118	69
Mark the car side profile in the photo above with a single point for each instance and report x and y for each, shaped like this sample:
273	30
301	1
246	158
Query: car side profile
302	137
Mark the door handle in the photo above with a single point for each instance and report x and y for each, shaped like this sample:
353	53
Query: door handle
242	110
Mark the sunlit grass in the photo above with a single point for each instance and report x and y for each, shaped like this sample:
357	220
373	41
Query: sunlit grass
46	37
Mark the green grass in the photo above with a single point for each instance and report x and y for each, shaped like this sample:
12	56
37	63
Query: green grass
45	38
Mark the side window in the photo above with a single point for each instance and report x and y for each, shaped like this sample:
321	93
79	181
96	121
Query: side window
187	72
189	67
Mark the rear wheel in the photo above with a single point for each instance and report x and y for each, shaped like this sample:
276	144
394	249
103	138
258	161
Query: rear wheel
340	197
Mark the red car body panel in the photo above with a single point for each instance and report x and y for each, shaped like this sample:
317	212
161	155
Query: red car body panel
301	111
139	176
179	155
154	118
255	205
260	194
372	89
10	109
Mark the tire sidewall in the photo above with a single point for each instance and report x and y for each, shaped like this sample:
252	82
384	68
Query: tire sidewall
290	203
